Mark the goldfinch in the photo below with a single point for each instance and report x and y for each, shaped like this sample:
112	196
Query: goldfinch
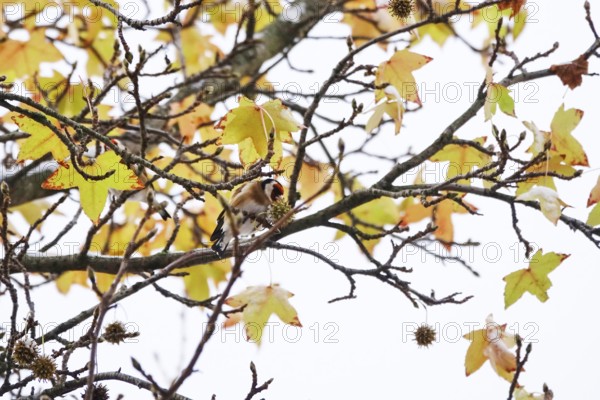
142	194
247	202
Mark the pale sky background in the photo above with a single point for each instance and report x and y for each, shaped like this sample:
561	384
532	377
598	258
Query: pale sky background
362	348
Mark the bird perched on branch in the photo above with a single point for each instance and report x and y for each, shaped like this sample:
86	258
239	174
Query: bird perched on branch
248	203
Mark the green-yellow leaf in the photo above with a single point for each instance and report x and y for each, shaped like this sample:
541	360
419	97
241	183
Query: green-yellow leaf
376	213
519	24
462	159
415	211
563	123
259	303
533	279
594	216
390	104
250	124
439	33
196	280
555	164
40	142
491	343
398	72
69	278
93	193
23	58
474	358
498	95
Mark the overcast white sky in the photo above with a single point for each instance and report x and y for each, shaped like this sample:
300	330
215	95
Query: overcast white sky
363	348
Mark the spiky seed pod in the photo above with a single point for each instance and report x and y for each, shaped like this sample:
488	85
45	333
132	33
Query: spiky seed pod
401	9
25	352
115	332
278	210
43	368
425	335
100	393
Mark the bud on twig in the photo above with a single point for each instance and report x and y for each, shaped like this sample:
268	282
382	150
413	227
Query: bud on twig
341	146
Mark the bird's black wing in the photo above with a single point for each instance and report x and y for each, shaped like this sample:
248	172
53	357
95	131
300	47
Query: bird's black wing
218	232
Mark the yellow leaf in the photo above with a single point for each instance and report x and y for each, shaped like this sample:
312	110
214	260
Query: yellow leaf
227	13
312	177
491	343
462	159
114	239
250	124
554	164
368	21
204	171
439	33
68	96
533	279
103	281
490	15
100	52
475	358
260	303
390	103
519	23
563	142
189	122
376	213
498	95
33	211
398	70
416	211
196	282
23	58
198	51
594	196
66	279
40	142
193	230
93	193
594	216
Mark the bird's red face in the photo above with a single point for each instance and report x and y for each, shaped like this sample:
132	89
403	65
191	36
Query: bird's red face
273	189
277	191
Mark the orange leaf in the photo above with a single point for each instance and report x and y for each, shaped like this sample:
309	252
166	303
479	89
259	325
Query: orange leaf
594	194
571	74
515	5
416	211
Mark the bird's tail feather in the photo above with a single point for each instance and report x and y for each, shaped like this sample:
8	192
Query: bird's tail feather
216	247
164	214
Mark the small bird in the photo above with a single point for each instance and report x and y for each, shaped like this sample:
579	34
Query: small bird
247	202
142	194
